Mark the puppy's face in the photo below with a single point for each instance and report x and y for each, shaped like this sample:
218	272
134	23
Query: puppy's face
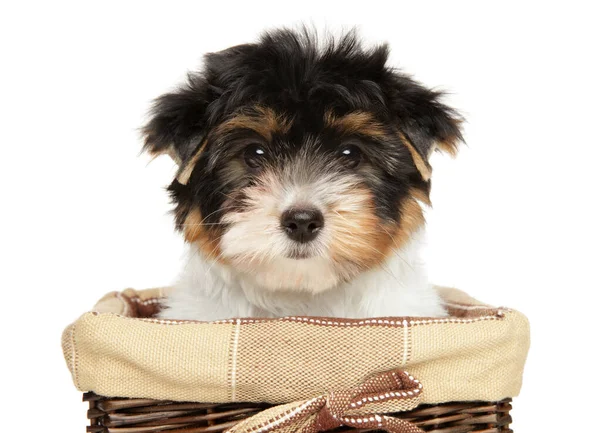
299	167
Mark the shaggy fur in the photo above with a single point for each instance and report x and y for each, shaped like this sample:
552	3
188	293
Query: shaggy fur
302	172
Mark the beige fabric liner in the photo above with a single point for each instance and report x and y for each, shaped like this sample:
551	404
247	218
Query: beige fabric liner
476	354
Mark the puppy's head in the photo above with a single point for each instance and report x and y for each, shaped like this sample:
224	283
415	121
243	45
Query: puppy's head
300	166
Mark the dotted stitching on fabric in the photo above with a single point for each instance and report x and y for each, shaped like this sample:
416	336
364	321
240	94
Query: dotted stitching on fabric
500	313
392	394
75	360
410	346
149	301
158	300
233	359
289	415
384	322
305	320
405	342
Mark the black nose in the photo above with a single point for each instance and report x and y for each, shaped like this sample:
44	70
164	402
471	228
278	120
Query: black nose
302	225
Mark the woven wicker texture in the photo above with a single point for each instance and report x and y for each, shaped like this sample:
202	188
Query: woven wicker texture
116	415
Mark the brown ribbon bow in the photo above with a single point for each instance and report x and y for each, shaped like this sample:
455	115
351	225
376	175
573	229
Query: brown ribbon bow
358	407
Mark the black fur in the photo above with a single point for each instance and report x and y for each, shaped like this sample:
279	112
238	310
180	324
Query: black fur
286	71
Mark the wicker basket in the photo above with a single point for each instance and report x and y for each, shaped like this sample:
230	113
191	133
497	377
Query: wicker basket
121	415
467	382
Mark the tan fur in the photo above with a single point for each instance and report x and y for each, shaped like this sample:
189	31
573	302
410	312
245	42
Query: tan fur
185	172
356	122
262	120
359	238
422	165
371	244
195	232
420	195
449	146
411	220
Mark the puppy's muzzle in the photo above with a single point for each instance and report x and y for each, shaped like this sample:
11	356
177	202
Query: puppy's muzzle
302	225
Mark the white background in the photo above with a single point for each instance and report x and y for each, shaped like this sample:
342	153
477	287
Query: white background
515	218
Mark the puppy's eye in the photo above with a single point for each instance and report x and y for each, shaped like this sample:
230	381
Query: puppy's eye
351	156
255	156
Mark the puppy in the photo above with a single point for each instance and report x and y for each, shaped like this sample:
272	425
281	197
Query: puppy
303	169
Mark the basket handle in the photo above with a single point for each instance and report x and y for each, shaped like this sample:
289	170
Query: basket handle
357	407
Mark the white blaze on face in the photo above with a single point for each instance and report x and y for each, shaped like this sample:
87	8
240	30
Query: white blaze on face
256	244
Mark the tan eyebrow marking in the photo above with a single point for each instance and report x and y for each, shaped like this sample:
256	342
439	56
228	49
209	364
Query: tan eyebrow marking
263	120
356	122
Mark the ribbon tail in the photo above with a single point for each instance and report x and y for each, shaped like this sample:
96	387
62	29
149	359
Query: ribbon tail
290	417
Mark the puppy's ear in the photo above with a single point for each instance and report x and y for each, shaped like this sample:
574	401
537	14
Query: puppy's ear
178	119
177	125
425	123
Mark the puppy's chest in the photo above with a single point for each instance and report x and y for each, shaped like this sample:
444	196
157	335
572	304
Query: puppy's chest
208	291
369	296
337	303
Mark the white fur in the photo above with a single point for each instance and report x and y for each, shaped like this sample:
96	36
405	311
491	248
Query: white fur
210	291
